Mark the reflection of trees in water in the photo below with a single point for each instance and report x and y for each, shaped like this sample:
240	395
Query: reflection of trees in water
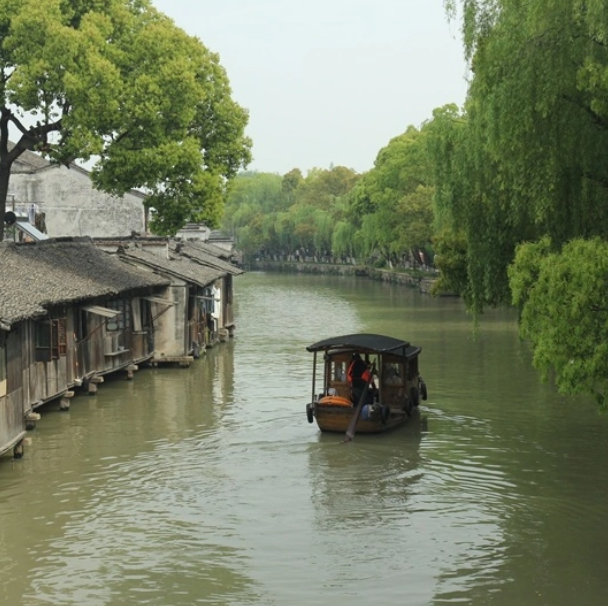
369	480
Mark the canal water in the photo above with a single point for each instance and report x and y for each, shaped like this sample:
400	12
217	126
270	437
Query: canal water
208	486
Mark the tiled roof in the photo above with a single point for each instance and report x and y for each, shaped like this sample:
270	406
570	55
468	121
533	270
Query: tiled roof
196	252
174	264
29	162
37	275
211	249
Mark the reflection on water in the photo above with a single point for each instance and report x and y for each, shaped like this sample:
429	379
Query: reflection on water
208	485
344	496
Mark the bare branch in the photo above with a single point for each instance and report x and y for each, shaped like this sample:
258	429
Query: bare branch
33	138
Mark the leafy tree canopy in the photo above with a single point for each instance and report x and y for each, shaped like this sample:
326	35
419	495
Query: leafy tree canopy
564	312
117	81
321	187
529	157
394	200
527	183
296	212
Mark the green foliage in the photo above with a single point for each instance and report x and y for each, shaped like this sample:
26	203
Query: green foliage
415	215
292	180
320	188
446	134
564	312
299	213
117	81
527	157
344	239
525	271
394	200
452	261
386	213
523	169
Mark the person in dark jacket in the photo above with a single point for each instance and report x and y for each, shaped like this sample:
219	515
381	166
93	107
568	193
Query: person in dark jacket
359	376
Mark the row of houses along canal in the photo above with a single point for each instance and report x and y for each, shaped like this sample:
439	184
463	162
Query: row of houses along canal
74	310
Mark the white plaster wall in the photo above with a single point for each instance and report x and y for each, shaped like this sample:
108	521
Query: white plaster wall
170	333
73	208
170	337
227	245
193	232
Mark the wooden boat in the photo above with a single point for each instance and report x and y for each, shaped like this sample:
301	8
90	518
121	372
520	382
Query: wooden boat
388	397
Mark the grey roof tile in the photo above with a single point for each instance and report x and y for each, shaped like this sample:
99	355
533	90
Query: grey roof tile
197	252
37	275
175	264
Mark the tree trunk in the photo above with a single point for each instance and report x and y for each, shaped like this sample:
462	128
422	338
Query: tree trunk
5	165
29	140
5	173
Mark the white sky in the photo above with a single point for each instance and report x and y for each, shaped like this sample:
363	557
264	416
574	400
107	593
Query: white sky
329	81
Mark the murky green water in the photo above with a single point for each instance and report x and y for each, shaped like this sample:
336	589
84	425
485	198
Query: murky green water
208	486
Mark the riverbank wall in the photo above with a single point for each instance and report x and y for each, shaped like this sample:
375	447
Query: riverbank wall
424	284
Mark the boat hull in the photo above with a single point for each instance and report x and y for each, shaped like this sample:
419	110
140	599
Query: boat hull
336	419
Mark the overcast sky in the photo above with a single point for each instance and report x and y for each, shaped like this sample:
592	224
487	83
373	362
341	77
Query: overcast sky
329	81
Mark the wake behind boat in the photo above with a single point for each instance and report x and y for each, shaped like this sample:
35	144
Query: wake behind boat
367	383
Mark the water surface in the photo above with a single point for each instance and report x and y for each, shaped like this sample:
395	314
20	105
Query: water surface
208	486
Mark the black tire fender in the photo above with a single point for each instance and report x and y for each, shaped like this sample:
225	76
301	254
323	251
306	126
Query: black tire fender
309	413
409	406
423	391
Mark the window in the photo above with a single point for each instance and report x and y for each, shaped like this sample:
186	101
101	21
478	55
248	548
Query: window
392	373
59	337
82	325
339	371
123	320
138	314
50	339
207	301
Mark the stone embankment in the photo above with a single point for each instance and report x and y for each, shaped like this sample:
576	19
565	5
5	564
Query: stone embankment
362	271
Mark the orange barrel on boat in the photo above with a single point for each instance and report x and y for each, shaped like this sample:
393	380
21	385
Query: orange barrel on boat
335	401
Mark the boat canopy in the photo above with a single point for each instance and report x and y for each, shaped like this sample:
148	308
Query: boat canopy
366	342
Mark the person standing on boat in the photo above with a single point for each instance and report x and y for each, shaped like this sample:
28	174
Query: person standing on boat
359	375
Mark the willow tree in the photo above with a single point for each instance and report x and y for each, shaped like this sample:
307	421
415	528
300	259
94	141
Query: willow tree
536	132
562	299
536	179
115	81
345	240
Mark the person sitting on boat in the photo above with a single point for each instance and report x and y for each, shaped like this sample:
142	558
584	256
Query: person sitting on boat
392	376
359	376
